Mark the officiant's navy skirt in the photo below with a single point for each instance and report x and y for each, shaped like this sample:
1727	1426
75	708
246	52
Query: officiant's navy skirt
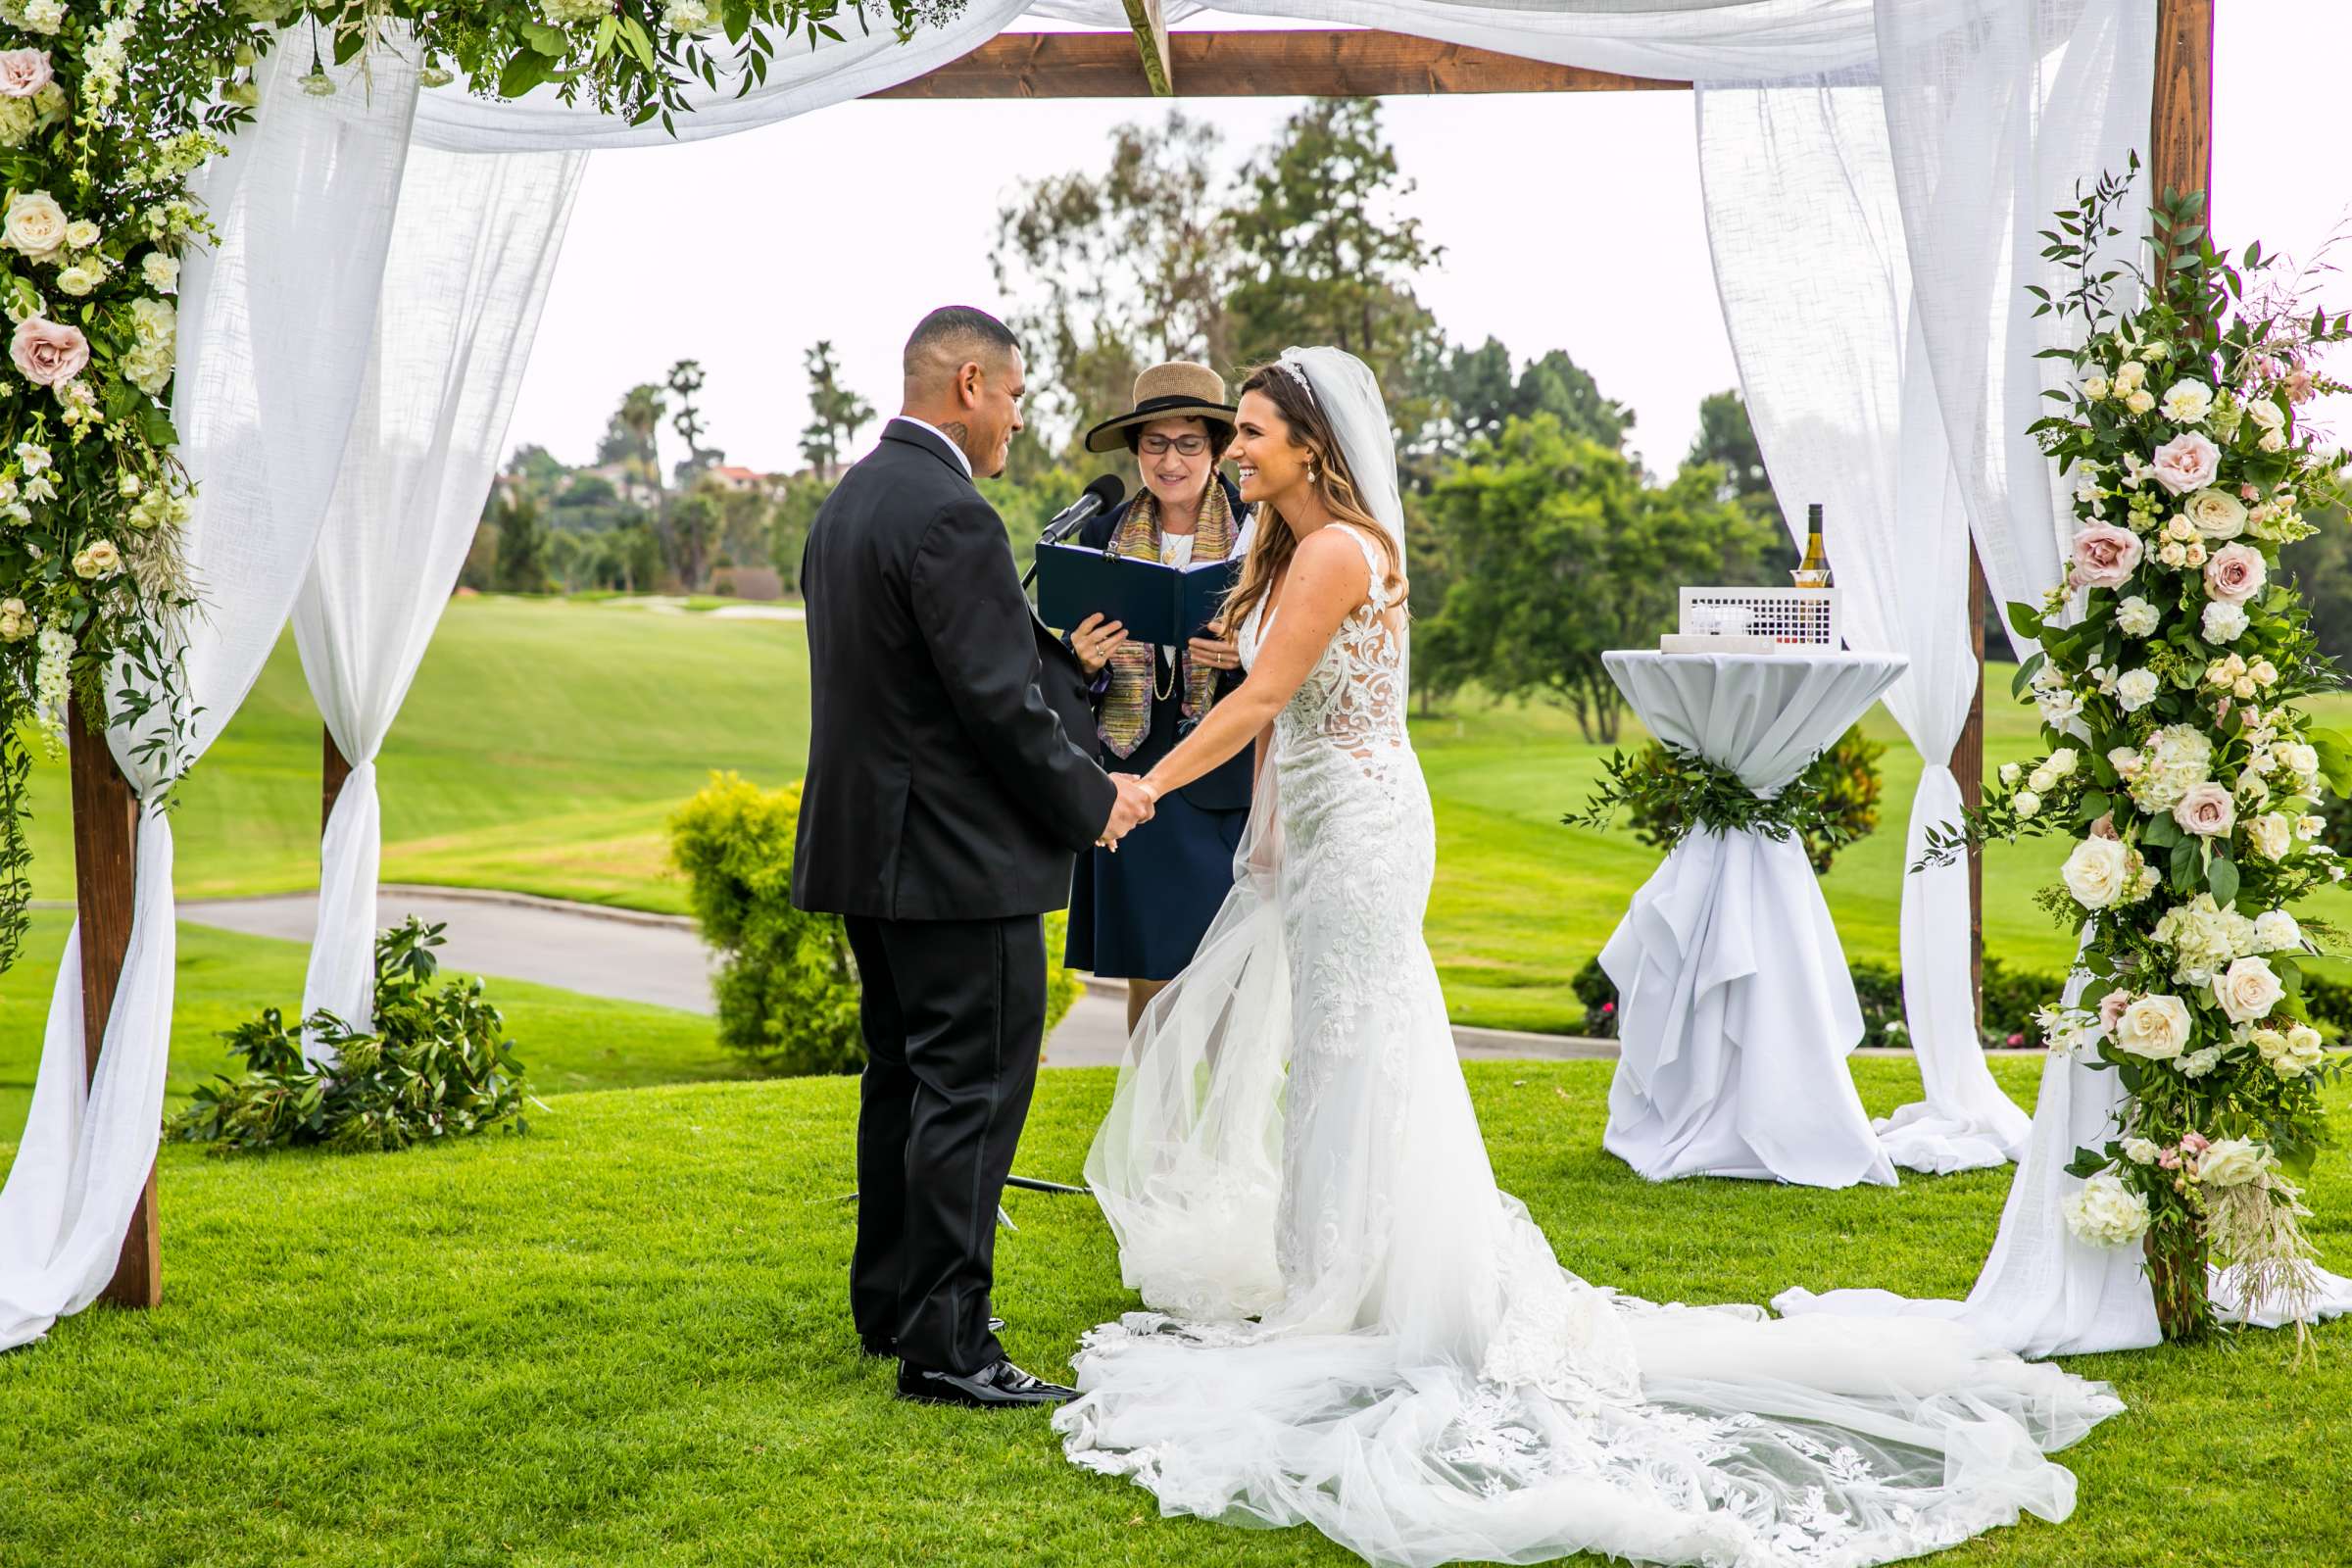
1139	915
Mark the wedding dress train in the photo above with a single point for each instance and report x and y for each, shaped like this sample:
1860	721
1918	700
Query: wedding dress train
1353	1328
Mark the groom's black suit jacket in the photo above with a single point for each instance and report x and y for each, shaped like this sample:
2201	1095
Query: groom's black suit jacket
944	782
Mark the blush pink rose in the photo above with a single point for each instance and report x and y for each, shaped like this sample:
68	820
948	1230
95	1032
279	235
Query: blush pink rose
2104	555
24	71
2234	575
2188	462
2111	1007
48	352
2207	811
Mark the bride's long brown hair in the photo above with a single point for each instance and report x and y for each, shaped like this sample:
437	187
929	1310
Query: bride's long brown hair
1271	542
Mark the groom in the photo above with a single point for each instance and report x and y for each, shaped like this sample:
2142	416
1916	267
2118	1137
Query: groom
944	803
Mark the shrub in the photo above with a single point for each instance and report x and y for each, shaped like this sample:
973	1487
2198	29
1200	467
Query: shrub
2011	999
1845	778
436	1067
787	983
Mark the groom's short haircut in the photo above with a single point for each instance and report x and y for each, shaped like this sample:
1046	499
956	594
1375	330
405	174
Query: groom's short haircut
953	335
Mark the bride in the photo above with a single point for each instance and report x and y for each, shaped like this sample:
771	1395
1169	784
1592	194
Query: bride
1353	1327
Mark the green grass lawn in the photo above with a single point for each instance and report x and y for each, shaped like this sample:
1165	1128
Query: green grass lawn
620	1341
545	743
568	1041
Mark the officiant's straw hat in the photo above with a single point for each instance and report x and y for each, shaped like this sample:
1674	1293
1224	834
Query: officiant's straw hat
1177	390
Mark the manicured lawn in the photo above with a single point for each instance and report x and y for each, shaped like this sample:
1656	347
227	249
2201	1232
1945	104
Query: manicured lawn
545	743
568	1041
619	1341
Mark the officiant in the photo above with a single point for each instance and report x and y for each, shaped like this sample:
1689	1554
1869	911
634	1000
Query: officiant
1139	915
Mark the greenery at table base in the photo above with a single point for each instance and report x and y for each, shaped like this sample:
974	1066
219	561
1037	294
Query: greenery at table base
2169	665
1668	794
106	111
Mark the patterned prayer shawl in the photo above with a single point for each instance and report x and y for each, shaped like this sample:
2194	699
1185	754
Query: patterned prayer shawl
1126	717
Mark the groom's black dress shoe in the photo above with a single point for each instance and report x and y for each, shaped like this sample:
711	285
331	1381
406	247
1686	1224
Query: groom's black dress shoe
995	1325
1001	1386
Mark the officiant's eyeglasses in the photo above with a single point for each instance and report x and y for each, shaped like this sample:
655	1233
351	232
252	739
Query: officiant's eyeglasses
1158	446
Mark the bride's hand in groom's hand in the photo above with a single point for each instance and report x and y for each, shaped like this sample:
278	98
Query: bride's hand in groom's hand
1133	807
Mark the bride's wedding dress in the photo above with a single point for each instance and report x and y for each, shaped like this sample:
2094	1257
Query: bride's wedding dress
1354	1328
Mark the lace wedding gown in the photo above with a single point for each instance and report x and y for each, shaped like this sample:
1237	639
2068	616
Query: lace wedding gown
1356	1330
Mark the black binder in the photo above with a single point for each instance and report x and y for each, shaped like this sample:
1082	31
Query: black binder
1168	606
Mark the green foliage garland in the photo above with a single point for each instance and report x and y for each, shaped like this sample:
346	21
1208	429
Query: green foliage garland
1669	794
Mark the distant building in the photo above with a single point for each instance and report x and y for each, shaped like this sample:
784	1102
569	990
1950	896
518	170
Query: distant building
734	476
627	482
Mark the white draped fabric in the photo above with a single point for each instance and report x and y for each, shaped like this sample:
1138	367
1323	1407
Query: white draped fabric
1736	1010
272	330
440	385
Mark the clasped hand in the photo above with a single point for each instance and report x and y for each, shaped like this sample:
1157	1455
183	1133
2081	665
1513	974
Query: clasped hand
1133	807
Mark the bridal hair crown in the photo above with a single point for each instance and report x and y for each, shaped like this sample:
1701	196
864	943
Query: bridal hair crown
1298	374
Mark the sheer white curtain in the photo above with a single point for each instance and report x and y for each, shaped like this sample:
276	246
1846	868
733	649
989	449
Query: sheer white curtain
273	333
472	249
1811	267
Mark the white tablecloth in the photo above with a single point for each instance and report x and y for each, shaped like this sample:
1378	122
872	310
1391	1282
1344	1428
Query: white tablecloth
1736	1010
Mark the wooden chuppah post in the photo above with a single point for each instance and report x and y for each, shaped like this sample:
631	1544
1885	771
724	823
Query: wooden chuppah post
2181	110
106	832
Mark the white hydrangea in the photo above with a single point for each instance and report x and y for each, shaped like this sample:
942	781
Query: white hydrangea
2180	757
2106	1212
2204	939
2233	1162
570	13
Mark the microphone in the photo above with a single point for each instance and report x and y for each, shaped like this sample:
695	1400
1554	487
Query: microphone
1105	492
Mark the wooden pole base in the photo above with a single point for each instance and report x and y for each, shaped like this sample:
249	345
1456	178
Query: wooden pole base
106	831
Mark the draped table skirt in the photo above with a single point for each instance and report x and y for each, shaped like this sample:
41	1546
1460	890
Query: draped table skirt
1735	1008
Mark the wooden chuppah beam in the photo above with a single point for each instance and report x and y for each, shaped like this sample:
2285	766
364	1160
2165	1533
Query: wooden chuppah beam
2181	110
106	832
1301	64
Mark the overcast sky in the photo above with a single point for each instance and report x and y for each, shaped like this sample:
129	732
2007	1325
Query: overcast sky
1569	220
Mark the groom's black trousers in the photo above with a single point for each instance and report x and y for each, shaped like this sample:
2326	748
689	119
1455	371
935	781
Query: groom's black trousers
954	1012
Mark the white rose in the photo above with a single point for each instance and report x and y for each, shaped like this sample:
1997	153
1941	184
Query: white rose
2026	802
2300	758
2040	781
81	233
2141	402
2222	621
2247	990
2061	763
2135	617
2129	376
160	271
2134	690
2217	514
2097	388
2174	553
2274	835
2096	872
2232	1162
2106	1212
2140	1152
2011	774
2155	1027
2276	931
34	225
2273	441
81	278
2187	402
2304	1051
2267	415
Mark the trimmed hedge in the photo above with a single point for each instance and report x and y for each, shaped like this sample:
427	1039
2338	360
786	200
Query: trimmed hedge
787	984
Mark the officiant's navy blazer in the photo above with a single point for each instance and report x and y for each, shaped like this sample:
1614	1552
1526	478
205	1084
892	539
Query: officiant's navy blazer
951	768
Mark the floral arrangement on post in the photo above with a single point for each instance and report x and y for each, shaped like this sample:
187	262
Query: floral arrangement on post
107	107
2169	664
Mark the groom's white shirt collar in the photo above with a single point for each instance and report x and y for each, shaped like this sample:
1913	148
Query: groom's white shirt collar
926	424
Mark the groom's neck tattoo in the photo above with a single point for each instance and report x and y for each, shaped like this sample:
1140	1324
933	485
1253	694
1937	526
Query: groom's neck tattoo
959	432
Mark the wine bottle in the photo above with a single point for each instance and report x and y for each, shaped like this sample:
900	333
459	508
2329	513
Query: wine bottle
1813	571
